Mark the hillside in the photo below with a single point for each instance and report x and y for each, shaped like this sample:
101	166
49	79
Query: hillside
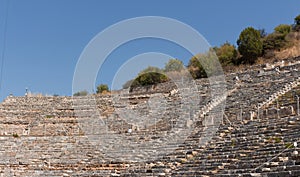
254	131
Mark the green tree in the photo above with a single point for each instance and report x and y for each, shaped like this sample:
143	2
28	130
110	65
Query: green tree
196	69
81	93
174	65
250	45
204	65
149	76
274	41
297	23
102	88
283	29
227	54
297	20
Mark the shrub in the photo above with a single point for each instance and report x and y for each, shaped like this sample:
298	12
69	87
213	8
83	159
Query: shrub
297	20
102	88
289	145
174	65
204	65
81	93
49	116
277	139
227	54
196	69
149	76
250	45
15	135
274	41
233	143
149	79
296	26
283	29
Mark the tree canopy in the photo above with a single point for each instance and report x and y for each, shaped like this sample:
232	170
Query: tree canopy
297	23
149	76
204	65
174	65
196	69
81	93
274	41
250	45
297	20
102	88
227	54
283	29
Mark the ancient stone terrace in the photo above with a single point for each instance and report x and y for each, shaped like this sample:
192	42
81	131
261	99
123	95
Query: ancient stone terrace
45	136
257	88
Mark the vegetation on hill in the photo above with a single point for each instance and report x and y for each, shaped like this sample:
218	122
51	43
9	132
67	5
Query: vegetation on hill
227	54
252	44
297	24
204	65
149	76
102	88
81	93
174	65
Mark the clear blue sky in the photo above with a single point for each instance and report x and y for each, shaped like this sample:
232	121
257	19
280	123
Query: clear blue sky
45	38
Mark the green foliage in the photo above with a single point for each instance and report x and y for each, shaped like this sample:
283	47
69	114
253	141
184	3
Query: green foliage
81	93
233	142
49	116
277	139
274	139
154	75
149	79
289	145
174	65
149	76
227	54
102	88
283	29
204	65
297	20
250	45
15	135
297	23
274	41
196	69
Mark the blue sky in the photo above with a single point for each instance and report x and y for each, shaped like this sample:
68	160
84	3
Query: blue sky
45	38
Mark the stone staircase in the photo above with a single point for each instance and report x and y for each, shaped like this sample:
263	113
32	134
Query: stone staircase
53	136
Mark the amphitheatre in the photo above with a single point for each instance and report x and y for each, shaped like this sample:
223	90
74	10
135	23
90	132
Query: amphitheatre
258	134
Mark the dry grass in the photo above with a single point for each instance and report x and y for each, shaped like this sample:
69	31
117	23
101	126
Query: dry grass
293	50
